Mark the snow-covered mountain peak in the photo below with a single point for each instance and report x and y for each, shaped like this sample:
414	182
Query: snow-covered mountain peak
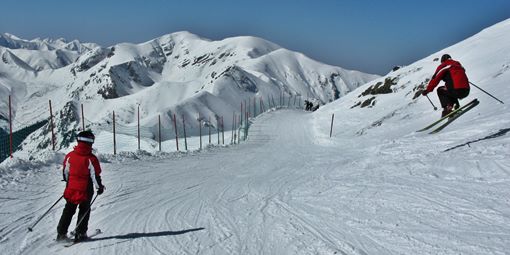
179	73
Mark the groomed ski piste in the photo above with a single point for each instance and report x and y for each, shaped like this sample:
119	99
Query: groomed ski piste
375	187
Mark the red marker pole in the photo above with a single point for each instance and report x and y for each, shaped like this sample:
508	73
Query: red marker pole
185	139
52	127
159	132
176	136
209	129
218	128
10	126
139	127
114	138
200	129
233	128
82	119
222	131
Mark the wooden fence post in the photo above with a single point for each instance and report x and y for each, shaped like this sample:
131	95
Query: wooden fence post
52	127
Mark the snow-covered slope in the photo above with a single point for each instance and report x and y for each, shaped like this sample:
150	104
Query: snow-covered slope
179	73
391	105
375	187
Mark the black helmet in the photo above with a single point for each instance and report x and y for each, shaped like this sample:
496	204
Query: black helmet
445	57
86	136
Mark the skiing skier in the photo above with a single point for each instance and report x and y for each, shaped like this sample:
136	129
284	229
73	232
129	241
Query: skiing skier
81	171
456	84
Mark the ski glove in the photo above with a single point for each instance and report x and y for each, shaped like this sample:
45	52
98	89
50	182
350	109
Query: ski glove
424	92
101	189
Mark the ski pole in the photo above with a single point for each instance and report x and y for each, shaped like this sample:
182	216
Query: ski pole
486	92
435	108
40	218
84	215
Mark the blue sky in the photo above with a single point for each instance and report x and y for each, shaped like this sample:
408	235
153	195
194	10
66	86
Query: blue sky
370	36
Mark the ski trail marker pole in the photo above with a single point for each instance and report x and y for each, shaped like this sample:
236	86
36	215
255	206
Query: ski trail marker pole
486	92
31	228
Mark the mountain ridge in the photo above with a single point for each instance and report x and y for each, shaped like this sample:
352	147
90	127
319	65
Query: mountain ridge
162	75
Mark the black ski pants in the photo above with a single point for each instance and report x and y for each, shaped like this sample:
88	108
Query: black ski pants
451	96
67	216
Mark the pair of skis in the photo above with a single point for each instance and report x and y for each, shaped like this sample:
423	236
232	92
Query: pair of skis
72	242
450	117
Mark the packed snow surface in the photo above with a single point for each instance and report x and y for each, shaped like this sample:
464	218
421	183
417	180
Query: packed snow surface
288	190
376	186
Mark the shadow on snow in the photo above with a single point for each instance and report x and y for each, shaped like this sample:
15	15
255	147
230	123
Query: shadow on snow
139	235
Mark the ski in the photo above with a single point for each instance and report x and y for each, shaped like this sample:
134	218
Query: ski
451	119
474	101
96	232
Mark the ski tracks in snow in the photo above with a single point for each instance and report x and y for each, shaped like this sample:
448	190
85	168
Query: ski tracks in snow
286	191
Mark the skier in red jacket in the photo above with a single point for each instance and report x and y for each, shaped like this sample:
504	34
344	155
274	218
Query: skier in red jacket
82	172
456	84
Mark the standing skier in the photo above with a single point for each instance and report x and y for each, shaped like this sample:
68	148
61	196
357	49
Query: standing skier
456	84
81	171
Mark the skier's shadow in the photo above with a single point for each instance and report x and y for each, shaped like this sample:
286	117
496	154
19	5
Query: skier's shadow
139	235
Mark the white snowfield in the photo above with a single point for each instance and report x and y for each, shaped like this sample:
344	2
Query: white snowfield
288	190
375	187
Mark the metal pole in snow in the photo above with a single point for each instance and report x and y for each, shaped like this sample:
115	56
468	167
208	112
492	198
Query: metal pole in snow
218	128
331	129
52	127
209	129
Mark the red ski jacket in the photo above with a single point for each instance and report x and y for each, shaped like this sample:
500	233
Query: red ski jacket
452	73
81	170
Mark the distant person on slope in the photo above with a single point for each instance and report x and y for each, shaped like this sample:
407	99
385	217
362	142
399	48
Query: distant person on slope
81	171
456	84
